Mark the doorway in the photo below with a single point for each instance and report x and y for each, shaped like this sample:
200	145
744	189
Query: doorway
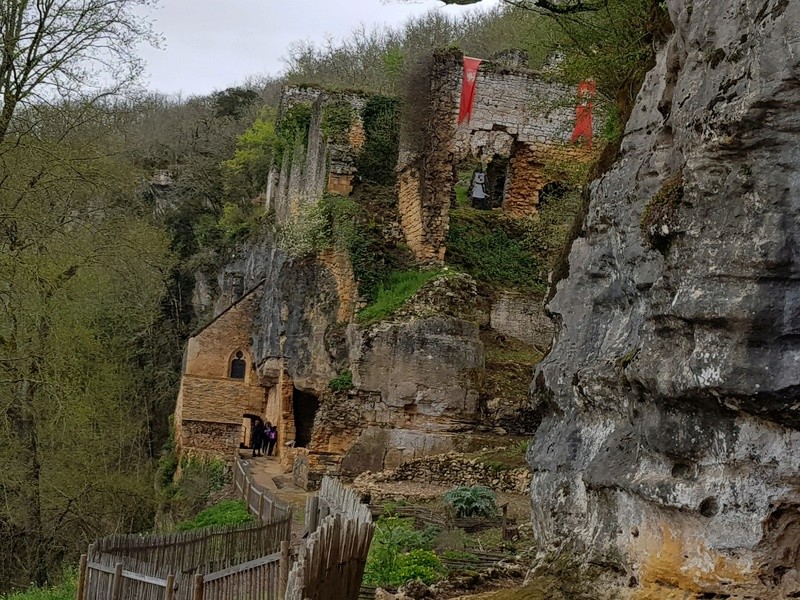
304	409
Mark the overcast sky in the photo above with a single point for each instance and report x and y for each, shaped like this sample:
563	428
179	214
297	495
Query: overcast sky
213	44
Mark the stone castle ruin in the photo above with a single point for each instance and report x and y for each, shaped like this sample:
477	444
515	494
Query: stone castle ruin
325	163
416	378
520	120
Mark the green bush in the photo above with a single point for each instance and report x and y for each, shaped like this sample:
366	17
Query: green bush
62	591
341	383
494	249
472	501
227	512
165	471
393	294
399	553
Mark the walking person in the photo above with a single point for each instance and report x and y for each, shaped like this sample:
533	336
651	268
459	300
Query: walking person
259	435
272	438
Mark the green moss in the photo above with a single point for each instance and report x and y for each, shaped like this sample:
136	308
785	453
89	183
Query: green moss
378	157
337	118
393	294
227	512
292	128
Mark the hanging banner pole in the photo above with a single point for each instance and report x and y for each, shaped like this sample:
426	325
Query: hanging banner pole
468	89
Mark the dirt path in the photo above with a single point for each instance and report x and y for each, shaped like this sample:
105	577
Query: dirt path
268	472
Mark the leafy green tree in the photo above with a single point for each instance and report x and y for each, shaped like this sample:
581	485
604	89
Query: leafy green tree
81	281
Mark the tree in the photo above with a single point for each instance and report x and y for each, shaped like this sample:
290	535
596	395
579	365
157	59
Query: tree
554	6
56	49
81	280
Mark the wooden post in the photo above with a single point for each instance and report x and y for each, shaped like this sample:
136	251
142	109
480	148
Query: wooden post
503	525
261	506
313	514
170	592
283	570
198	587
80	594
116	589
271	517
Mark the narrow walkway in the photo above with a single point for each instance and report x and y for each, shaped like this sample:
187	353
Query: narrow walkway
268	472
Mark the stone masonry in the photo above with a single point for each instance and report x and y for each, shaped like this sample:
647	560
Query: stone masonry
321	166
211	405
516	115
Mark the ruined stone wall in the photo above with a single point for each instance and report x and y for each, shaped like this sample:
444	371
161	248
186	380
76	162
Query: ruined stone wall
323	165
426	177
524	318
517	115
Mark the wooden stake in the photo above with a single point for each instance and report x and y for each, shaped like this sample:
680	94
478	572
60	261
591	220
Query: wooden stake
198	587
170	587
283	573
116	590
81	592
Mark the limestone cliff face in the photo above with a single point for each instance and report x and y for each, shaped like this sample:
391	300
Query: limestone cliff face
671	445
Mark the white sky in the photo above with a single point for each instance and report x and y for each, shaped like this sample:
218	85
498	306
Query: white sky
214	44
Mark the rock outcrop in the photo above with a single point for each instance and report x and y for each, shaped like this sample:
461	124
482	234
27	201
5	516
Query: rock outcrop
671	447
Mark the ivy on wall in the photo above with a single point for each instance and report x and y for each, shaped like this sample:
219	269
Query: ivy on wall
378	157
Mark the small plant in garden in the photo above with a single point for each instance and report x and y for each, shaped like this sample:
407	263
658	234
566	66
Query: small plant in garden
472	501
399	553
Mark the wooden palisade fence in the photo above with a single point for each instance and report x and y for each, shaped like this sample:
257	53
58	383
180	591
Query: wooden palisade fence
330	565
250	562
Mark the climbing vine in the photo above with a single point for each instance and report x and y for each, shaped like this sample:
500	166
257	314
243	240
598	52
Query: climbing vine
378	157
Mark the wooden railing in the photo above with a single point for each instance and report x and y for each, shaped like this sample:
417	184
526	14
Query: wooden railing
264	505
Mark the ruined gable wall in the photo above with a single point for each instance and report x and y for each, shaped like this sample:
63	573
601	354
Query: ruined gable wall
322	166
516	113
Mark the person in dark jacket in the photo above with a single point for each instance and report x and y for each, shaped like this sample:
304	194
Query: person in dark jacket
259	437
272	438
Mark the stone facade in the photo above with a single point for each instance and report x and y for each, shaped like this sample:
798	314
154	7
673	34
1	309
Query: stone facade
517	115
213	410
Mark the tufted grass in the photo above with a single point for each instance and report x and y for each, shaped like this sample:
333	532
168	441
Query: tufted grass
227	512
393	294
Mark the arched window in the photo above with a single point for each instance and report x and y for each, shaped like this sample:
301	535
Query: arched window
238	366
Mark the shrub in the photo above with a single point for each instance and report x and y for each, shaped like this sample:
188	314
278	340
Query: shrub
63	591
399	553
342	383
474	501
227	512
494	249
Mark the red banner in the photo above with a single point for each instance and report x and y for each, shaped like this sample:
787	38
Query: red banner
468	88
583	113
